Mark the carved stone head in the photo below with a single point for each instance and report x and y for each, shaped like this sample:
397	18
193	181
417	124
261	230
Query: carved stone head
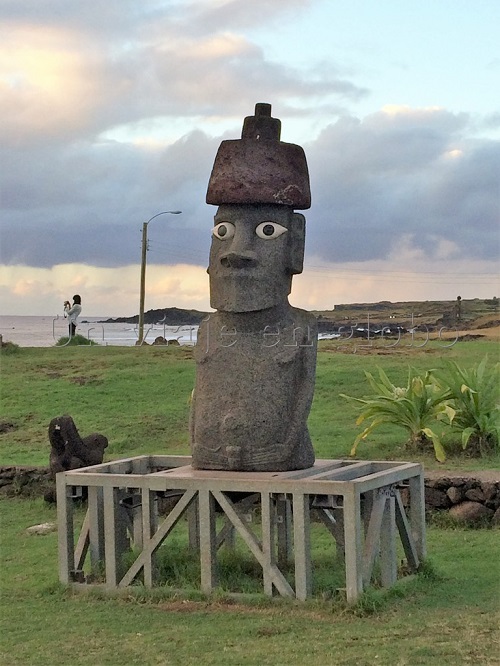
257	239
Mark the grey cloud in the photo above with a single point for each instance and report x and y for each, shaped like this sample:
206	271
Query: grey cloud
68	195
135	61
375	182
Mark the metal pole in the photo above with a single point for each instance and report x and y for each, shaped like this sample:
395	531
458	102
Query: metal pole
143	282
143	271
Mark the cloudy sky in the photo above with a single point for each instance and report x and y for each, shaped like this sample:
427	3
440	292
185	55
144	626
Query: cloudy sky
112	112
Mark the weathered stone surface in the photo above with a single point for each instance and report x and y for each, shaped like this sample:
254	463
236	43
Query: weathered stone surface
259	168
42	529
496	518
475	495
437	498
69	450
489	490
441	483
256	356
456	495
470	512
252	397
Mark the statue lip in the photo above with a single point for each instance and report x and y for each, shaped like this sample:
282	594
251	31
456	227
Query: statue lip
234	272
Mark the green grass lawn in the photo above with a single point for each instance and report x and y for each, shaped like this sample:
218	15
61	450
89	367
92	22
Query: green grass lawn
139	398
450	617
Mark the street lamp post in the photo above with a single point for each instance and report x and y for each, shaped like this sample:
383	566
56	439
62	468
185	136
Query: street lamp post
143	270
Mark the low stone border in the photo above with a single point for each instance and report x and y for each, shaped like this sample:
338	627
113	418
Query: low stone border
469	499
466	498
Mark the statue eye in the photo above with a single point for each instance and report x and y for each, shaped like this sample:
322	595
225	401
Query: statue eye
223	230
268	230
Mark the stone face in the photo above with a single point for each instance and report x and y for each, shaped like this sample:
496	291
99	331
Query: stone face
254	253
256	355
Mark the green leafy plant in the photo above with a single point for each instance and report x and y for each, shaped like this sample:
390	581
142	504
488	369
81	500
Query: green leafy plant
474	397
75	341
416	407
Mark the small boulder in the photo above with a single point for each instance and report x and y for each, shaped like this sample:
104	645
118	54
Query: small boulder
496	518
475	495
471	513
437	499
455	494
42	528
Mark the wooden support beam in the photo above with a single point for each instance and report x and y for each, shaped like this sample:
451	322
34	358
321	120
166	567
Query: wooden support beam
302	546
417	513
353	544
388	556
152	544
112	531
284	529
208	547
405	534
82	545
268	527
65	537
96	527
372	539
278	580
149	526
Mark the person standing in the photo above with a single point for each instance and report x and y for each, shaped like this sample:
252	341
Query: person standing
72	312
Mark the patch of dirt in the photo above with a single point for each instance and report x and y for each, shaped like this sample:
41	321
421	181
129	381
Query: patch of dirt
83	380
7	426
483	331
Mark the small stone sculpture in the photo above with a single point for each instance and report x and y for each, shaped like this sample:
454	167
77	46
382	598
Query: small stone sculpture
69	450
256	356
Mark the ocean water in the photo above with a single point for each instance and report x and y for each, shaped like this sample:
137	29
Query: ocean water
46	331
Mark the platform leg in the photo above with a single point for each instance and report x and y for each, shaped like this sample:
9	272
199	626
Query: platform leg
268	525
208	541
113	535
417	514
194	525
284	530
388	558
353	545
66	539
96	527
302	546
149	526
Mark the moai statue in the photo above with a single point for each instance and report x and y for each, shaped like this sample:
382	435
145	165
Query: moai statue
256	355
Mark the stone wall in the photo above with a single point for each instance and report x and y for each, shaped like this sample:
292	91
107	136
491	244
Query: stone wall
466	498
24	481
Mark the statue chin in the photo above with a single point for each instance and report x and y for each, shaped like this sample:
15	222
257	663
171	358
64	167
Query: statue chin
245	295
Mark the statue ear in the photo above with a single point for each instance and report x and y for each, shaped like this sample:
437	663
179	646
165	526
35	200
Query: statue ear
297	238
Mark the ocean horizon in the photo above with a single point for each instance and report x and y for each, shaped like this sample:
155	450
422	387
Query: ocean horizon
45	331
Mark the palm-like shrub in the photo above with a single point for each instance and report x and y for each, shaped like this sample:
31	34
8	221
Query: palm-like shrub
474	395
416	407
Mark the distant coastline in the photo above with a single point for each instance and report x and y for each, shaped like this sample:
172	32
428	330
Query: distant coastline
167	316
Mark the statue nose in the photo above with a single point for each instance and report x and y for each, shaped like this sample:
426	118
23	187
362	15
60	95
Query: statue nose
238	260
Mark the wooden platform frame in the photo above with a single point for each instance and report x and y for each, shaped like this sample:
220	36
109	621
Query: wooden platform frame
359	502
